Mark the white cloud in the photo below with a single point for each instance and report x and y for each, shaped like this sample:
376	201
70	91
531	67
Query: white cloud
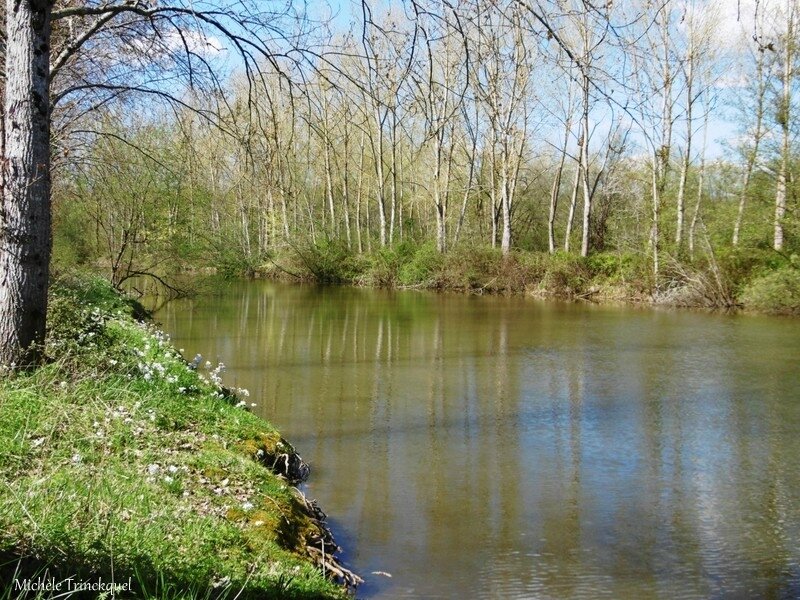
196	41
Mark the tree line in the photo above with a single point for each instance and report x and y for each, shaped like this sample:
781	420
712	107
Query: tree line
651	127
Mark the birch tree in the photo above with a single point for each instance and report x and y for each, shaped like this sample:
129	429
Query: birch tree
783	116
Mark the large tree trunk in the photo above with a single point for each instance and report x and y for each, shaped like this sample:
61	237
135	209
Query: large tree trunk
25	240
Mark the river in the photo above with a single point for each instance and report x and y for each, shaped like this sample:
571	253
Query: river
492	447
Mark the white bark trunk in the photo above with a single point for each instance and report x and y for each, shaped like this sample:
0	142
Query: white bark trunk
784	113
25	240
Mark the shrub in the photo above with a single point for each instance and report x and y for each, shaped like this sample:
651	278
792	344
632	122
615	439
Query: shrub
330	261
777	292
740	265
566	275
422	266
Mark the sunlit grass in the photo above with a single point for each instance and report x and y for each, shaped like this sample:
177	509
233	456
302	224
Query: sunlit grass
120	460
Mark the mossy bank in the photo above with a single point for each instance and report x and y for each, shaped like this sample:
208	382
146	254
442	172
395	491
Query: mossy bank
121	462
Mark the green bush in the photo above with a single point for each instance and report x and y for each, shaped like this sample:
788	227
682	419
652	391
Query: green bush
777	292
422	267
330	261
470	267
382	266
566	275
740	265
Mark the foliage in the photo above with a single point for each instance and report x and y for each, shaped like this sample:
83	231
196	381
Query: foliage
777	292
422	266
328	262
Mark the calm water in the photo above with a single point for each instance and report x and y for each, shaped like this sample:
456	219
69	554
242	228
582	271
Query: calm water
484	447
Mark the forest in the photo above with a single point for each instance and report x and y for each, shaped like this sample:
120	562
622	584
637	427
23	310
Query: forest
659	138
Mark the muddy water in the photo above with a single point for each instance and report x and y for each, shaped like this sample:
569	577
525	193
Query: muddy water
484	447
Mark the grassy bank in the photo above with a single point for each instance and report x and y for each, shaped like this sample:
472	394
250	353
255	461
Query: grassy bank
755	280
119	460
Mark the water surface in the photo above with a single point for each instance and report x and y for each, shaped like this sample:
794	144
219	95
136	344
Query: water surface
486	447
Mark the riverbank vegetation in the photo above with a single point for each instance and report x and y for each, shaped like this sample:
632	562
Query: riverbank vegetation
651	149
121	460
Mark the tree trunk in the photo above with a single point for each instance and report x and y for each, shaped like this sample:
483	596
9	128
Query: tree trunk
687	157
784	112
505	242
25	240
573	201
752	157
587	196
556	189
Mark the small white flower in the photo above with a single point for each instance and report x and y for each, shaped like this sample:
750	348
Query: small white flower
247	506
153	469
76	458
172	469
168	479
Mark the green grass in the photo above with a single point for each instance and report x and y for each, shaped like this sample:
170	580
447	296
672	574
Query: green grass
118	460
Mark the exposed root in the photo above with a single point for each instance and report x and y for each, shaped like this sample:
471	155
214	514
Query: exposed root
319	543
285	462
321	546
